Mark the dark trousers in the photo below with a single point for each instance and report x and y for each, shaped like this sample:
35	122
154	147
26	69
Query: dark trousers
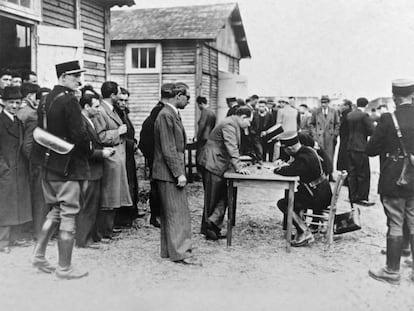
298	207
154	200
85	222
104	224
359	176
175	221
268	151
215	199
400	215
39	207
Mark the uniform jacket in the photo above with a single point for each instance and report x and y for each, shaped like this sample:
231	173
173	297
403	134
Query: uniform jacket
385	142
64	119
96	158
169	146
221	152
325	130
115	191
360	127
15	206
206	124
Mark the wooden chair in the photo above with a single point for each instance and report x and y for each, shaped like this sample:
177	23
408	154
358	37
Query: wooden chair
328	215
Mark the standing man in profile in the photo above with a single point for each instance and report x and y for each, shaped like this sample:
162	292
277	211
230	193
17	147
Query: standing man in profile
205	124
169	172
397	199
360	126
324	128
63	191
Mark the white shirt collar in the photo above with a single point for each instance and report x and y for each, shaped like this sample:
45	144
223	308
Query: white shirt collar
11	117
173	107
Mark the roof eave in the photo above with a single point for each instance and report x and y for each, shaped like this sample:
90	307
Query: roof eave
120	3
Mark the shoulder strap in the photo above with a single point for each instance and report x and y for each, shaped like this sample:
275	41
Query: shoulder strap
319	160
44	107
399	134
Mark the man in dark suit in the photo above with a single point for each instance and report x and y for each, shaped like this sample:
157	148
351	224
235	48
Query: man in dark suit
206	123
62	191
360	127
86	220
219	154
342	162
169	172
397	199
15	207
262	121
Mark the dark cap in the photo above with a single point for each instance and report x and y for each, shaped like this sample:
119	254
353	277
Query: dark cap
325	99
402	87
69	68
288	139
362	102
11	92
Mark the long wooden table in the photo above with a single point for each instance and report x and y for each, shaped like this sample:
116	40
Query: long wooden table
260	179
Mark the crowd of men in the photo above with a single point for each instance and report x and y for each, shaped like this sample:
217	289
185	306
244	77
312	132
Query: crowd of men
74	149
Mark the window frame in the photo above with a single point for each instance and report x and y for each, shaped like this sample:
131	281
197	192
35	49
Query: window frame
128	58
21	11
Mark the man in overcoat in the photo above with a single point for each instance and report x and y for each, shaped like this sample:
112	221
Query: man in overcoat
206	122
111	131
398	200
62	190
15	207
324	127
168	171
220	153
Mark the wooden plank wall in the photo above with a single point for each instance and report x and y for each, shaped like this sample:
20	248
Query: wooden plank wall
92	23
59	13
210	75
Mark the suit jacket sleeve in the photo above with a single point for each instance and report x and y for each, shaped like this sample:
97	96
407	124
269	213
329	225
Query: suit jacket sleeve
375	144
108	137
230	142
29	127
296	168
168	144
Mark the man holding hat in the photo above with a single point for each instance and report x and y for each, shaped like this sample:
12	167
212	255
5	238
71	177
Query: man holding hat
397	198
314	190
62	191
15	208
324	128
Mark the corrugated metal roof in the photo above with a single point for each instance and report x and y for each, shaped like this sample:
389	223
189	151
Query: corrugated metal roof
186	22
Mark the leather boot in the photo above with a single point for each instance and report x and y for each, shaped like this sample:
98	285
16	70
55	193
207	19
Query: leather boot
39	260
391	272
65	247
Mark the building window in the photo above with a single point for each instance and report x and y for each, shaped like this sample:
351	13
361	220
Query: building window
25	8
143	58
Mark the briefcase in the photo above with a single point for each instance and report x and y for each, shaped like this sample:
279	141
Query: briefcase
348	221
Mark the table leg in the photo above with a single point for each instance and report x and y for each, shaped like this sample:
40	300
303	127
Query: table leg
234	205
230	214
289	216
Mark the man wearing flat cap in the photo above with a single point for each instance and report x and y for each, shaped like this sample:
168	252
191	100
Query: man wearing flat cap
15	207
62	191
313	192
324	128
394	147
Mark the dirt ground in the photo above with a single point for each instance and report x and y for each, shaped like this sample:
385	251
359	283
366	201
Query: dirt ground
256	273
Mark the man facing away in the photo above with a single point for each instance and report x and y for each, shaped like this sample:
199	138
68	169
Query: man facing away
169	173
219	154
398	200
359	175
63	193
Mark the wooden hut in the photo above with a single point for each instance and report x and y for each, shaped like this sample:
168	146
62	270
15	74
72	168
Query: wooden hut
199	45
36	34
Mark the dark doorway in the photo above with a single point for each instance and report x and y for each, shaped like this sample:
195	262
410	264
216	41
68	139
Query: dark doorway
15	44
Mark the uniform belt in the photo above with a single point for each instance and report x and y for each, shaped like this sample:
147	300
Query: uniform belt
394	156
314	183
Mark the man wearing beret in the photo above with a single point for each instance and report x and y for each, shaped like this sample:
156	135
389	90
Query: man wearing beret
314	190
397	199
15	207
62	191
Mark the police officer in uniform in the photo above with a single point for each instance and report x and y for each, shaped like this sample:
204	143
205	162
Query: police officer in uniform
62	191
313	191
398	200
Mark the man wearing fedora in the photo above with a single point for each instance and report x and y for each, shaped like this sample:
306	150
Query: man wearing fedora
15	207
62	191
324	128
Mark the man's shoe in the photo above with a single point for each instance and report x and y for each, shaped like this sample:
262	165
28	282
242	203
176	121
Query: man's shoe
5	250
384	275
116	231
70	273
105	241
210	234
303	239
191	261
154	222
43	265
365	203
22	243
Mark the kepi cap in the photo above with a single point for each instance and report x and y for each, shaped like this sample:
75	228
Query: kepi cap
288	139
402	87
69	68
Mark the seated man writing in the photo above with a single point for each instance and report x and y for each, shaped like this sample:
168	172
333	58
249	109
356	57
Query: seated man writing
219	154
313	192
